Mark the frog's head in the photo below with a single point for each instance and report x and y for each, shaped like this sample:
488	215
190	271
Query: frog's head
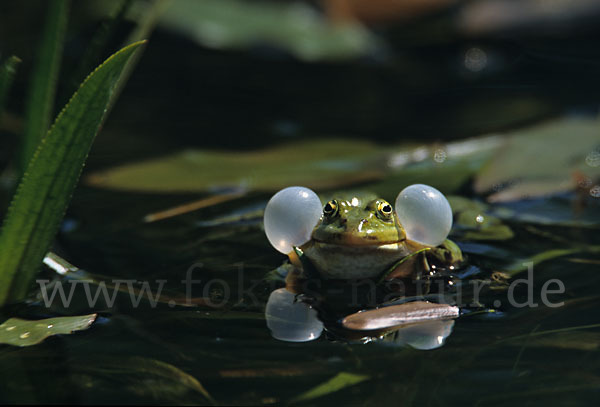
358	220
294	216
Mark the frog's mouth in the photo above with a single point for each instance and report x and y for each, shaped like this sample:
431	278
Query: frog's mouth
392	246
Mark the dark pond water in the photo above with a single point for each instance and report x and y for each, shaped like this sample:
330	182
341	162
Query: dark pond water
513	355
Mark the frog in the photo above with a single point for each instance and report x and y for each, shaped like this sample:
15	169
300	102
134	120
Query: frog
360	236
336	244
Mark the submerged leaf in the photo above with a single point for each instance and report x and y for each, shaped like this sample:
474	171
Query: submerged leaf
22	332
521	265
338	382
145	378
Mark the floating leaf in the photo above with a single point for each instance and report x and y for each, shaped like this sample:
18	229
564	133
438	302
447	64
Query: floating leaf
337	382
294	27
557	210
541	160
473	221
45	190
314	164
318	164
23	332
394	315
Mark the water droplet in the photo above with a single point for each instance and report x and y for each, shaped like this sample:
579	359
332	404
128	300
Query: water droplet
24	335
479	219
440	155
475	59
50	326
593	159
10	328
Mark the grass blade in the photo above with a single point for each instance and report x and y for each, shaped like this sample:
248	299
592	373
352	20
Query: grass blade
144	27
45	190
336	383
40	101
7	74
97	46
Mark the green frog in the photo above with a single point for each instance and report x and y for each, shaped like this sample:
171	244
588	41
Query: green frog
360	236
356	251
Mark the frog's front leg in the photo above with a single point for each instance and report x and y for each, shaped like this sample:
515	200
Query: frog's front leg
448	254
301	271
407	267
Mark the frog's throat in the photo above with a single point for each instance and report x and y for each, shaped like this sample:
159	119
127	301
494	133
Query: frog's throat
350	262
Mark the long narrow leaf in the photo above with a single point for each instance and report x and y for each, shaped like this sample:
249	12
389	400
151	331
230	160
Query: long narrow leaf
40	101
46	188
96	47
336	383
7	73
144	27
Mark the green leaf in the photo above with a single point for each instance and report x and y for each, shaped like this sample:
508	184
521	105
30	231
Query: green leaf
521	265
97	45
315	164
144	27
22	332
542	160
46	188
319	164
7	74
294	27
40	101
338	382
472	221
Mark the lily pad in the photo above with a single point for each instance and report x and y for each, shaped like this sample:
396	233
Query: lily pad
542	161
23	332
315	164
318	164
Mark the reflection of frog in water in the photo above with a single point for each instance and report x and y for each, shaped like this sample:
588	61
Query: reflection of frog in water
358	238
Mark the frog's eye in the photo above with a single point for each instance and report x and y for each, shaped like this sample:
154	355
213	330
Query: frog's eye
425	214
385	210
290	217
330	209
